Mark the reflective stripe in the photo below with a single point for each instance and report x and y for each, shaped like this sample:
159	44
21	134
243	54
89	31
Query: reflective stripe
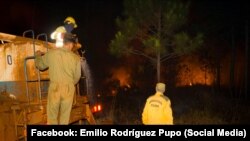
156	101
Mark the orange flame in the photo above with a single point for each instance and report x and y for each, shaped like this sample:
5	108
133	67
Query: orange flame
193	73
122	74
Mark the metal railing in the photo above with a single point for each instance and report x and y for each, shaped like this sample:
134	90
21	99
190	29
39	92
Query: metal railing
38	80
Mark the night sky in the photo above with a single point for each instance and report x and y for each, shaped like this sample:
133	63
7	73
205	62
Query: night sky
96	21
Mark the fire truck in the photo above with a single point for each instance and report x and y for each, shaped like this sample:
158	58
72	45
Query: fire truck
23	88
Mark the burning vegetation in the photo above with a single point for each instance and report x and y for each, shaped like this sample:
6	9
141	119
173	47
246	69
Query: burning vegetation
123	75
192	72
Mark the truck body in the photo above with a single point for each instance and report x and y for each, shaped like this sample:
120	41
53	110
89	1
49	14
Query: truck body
23	88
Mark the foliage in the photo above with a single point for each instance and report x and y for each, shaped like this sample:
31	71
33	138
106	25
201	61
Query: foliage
155	30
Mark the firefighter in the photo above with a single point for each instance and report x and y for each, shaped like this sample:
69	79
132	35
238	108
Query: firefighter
64	73
157	109
69	25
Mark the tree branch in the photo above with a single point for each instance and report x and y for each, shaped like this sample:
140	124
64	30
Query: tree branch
137	52
169	56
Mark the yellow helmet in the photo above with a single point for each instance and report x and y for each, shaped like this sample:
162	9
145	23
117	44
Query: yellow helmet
71	20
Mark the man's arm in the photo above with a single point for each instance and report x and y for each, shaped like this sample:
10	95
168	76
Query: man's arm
168	112
145	114
41	60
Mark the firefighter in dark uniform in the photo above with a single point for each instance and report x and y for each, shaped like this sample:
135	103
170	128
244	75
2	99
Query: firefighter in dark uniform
69	25
157	109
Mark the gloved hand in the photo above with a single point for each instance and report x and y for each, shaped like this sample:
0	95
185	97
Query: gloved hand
39	53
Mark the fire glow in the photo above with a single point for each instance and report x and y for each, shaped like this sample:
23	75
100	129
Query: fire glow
191	73
121	74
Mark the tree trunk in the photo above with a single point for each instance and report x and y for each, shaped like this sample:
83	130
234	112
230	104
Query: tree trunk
158	67
159	52
232	65
218	69
246	62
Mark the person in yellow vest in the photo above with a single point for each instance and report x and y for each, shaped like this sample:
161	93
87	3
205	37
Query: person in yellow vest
64	68
157	109
69	25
